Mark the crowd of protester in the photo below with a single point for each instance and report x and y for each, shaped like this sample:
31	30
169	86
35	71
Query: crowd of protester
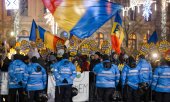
135	80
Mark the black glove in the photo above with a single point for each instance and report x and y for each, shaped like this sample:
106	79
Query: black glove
143	86
38	69
20	83
64	81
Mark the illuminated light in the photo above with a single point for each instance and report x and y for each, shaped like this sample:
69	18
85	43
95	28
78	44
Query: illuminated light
148	31
12	4
11	53
138	3
138	9
123	13
147	9
163	20
127	13
155	7
155	55
133	8
12	33
4	99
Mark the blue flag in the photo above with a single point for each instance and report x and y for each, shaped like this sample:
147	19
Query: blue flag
95	16
153	38
42	32
33	31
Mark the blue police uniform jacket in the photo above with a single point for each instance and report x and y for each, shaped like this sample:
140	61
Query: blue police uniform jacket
52	66
106	77
16	73
145	71
35	80
161	79
130	77
64	69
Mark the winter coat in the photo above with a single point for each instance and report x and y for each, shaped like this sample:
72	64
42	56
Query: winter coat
106	77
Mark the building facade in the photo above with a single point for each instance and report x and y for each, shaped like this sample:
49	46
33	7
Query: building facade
137	30
28	10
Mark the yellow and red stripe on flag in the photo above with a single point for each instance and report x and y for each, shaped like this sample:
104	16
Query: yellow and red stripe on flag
117	34
49	39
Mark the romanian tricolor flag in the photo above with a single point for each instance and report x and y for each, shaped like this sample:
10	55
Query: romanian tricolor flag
34	33
49	39
117	35
81	17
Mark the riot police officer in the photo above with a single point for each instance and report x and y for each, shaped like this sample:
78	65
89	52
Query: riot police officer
107	78
130	80
16	73
145	77
64	72
35	79
161	82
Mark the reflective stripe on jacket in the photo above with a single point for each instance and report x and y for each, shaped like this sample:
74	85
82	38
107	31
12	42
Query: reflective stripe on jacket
16	73
64	69
35	80
161	79
130	76
106	77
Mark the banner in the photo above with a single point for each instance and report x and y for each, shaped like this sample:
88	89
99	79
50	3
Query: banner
4	83
81	82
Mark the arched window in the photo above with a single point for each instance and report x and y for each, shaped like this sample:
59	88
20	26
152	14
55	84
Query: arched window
132	41
100	39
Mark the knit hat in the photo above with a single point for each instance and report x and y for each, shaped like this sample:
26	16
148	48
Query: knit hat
98	53
105	57
34	59
52	58
65	56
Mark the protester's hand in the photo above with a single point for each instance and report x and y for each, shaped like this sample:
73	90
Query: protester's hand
64	81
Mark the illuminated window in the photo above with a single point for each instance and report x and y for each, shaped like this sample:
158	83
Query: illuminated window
145	38
132	41
100	39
